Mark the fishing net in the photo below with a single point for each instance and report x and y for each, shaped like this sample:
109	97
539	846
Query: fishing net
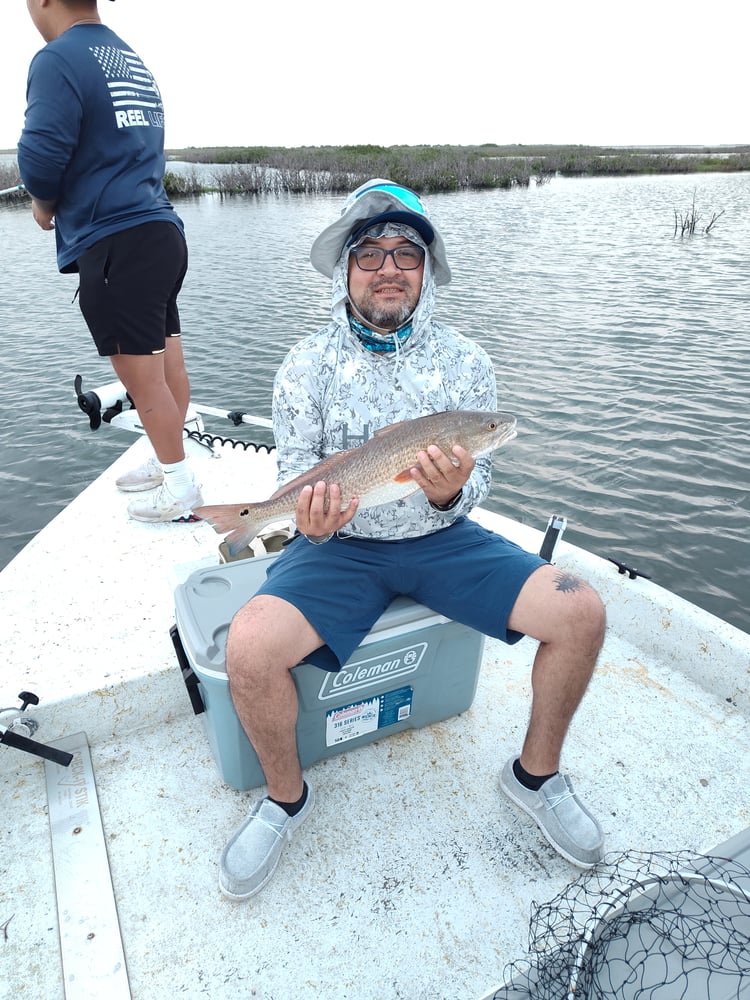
641	927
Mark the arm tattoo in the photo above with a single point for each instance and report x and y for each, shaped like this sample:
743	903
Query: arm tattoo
567	583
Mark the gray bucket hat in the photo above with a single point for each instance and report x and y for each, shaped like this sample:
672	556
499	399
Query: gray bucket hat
377	201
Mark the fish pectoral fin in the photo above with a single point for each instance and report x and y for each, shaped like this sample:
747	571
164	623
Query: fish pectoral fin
405	476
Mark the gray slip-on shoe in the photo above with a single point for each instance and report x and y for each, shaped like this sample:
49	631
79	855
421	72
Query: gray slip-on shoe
560	815
252	854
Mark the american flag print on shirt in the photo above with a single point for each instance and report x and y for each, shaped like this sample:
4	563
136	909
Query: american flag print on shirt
135	97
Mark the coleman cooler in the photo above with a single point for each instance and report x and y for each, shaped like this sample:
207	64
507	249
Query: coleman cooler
414	667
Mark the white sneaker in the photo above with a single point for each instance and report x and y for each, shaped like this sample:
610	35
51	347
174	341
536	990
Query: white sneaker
146	477
163	506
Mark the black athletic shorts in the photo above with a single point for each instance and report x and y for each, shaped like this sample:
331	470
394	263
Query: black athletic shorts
129	283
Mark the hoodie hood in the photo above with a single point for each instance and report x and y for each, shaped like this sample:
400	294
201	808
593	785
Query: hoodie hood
422	314
378	201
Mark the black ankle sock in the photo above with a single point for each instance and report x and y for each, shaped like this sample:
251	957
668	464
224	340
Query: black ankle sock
532	781
292	808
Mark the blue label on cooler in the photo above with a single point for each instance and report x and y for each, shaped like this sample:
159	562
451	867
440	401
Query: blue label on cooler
347	722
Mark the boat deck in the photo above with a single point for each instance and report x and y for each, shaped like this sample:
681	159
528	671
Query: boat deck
414	876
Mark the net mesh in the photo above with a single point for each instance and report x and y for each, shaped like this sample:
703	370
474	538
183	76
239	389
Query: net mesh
643	926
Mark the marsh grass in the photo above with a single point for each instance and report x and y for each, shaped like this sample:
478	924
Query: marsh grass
686	223
429	169
256	170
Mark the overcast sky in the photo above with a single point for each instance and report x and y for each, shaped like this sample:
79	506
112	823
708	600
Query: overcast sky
463	73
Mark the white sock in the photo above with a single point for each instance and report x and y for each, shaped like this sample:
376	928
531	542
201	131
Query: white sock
178	478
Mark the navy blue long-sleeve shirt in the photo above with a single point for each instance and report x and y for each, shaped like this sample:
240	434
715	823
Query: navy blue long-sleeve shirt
93	139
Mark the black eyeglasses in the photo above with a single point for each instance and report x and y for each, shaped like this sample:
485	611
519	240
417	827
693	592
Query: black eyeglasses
372	258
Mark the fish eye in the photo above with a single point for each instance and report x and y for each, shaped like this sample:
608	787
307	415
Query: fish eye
492	425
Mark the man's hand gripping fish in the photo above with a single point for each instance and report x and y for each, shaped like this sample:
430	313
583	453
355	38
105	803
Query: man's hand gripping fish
377	472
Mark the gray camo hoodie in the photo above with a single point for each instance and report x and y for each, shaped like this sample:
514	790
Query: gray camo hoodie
331	393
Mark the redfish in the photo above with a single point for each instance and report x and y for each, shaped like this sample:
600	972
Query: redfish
377	472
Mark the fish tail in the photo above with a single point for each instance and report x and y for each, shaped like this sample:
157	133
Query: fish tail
233	518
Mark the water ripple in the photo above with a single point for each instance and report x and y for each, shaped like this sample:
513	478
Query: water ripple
622	350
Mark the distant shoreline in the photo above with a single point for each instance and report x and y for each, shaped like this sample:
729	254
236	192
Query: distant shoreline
509	149
427	169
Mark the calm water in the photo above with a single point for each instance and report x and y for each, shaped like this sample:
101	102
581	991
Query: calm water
623	351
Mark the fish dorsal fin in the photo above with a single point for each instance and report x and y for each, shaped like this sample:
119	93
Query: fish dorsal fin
310	476
390	429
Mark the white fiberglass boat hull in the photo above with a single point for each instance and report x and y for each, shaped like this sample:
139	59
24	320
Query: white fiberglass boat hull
413	876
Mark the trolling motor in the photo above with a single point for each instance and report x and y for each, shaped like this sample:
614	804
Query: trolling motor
103	404
20	729
108	403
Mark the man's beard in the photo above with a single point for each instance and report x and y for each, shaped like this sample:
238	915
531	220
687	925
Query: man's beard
386	316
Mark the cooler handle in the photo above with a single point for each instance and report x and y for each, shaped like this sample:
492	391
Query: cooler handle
188	674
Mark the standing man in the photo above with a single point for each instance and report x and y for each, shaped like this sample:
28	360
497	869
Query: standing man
91	156
381	359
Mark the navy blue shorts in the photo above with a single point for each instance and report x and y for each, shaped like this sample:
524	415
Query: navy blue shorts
129	283
465	572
